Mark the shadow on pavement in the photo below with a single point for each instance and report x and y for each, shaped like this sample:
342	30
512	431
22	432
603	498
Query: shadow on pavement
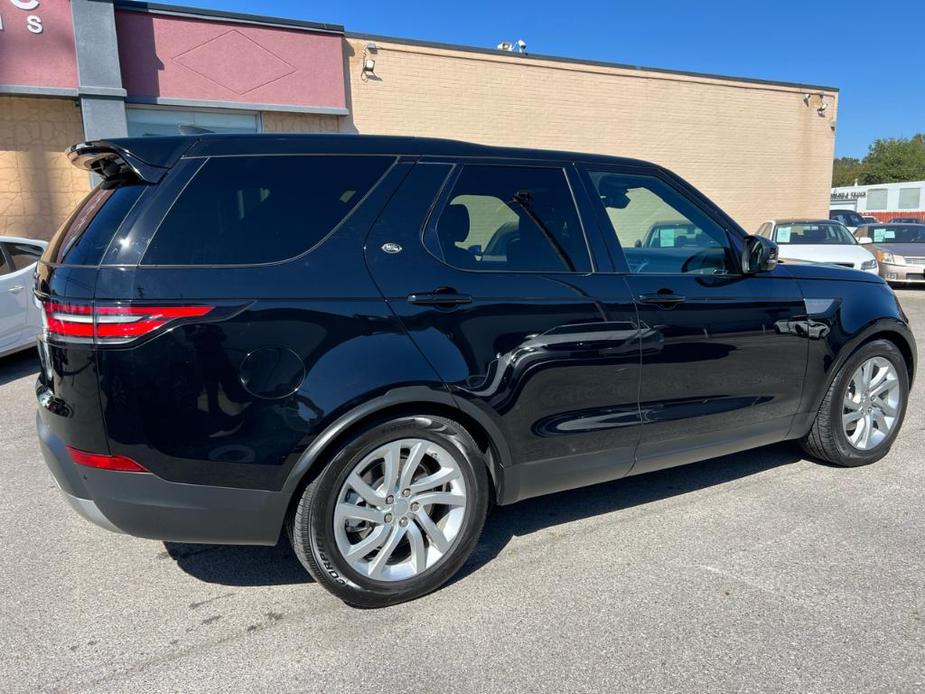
260	566
536	514
19	365
232	565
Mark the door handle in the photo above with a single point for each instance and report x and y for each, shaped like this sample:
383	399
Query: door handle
15	290
660	299
439	297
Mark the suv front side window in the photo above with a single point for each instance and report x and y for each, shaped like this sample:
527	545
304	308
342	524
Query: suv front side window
511	219
660	231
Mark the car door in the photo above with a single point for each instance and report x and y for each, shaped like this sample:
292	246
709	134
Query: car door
490	280
13	296
23	256
722	369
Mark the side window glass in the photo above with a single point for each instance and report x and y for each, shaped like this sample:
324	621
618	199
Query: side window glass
659	230
4	266
23	254
512	218
244	210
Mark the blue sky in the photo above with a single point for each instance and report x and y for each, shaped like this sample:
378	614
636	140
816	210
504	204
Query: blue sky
873	52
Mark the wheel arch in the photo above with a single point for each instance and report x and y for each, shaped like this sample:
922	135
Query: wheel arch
890	329
404	401
904	345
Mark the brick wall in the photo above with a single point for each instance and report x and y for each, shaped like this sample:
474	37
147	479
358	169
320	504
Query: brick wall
38	186
758	150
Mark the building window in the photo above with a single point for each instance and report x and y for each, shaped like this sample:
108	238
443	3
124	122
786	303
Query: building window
909	198
876	199
167	121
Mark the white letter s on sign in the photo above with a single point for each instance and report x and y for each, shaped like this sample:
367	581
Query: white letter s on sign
34	24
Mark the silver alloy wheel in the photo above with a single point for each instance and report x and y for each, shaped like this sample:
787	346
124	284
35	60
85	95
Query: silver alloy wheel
400	510
871	404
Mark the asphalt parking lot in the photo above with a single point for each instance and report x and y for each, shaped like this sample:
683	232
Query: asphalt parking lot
756	572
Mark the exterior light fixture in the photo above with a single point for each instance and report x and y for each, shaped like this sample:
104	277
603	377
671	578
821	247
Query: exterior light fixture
369	62
822	105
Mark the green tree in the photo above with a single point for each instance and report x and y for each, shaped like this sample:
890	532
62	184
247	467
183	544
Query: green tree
893	160
845	171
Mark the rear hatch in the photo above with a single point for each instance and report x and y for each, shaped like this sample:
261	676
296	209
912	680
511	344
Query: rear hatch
76	325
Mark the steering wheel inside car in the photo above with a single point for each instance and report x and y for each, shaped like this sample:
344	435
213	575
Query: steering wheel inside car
705	259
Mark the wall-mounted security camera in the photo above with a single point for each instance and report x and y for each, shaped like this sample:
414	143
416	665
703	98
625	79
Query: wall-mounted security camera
520	46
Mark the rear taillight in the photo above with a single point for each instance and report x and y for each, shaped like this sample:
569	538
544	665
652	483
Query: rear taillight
104	325
119	463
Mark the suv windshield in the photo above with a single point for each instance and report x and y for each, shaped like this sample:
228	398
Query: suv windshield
913	233
829	234
84	237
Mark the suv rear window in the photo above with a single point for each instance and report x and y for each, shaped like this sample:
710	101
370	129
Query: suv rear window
261	209
84	237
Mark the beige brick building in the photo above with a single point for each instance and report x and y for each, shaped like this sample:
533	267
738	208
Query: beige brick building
760	149
38	186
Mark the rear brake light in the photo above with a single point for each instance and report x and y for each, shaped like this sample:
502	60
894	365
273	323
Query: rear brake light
104	462
111	324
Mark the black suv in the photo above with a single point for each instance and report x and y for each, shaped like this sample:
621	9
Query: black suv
367	341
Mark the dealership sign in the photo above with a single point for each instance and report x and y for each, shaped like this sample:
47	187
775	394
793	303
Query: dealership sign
850	195
33	21
37	45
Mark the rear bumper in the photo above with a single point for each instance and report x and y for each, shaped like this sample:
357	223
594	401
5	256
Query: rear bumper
145	505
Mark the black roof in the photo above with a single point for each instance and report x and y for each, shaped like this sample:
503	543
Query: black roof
163	151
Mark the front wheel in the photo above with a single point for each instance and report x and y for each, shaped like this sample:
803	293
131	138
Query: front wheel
395	514
863	408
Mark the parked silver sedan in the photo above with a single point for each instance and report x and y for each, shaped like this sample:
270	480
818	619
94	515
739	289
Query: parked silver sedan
899	248
20	319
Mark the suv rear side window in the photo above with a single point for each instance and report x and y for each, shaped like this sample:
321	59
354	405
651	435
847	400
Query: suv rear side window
261	209
512	218
84	237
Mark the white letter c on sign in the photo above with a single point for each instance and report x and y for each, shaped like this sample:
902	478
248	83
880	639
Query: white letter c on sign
25	4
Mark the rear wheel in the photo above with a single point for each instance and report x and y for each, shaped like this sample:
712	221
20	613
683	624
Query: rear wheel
395	514
863	409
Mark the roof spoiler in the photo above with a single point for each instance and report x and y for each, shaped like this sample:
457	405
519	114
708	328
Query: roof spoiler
142	159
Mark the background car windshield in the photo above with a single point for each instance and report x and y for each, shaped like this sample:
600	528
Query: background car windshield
676	235
898	234
816	234
848	217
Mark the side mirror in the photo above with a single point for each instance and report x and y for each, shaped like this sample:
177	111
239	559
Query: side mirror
476	249
864	240
637	244
759	255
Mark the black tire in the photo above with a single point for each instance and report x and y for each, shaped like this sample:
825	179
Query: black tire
312	525
826	439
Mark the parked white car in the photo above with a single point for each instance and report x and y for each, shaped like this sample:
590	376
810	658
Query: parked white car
818	241
20	319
